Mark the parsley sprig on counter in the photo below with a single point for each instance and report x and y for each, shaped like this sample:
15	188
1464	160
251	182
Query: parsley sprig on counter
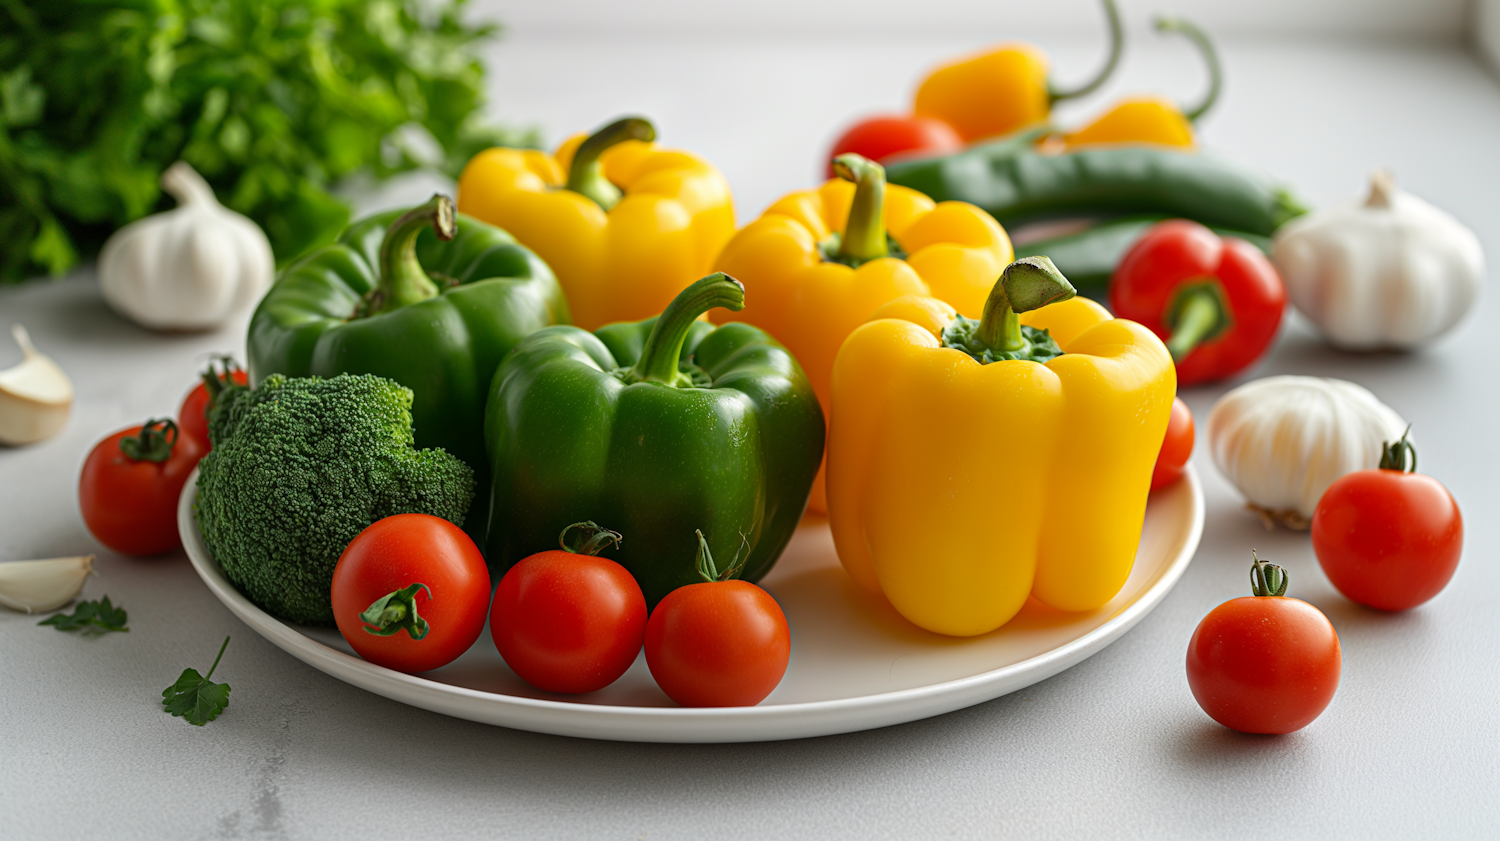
196	698
90	617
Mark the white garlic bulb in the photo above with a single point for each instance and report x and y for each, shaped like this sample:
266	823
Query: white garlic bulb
43	585
1389	272
35	396
190	268
1283	440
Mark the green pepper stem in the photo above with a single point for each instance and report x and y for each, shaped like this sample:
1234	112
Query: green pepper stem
1116	48
1027	284
1210	58
586	173
864	231
1199	312
402	281
1266	579
659	358
153	443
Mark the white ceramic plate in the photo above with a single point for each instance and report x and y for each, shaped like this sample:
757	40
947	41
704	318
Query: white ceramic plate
856	664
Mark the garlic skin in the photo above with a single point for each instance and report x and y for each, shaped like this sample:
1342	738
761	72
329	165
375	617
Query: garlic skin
36	397
1389	272
1283	440
43	585
190	268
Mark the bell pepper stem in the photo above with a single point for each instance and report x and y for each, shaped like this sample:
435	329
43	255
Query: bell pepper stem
1116	48
1210	58
1199	312
864	231
659	358
586	172
1027	284
402	280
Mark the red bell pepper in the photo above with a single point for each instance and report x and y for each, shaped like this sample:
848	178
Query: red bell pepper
1217	303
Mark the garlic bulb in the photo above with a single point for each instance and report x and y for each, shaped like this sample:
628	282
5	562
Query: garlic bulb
35	396
1389	272
43	585
190	268
1283	440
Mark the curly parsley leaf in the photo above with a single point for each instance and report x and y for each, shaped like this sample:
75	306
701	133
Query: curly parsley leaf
195	697
96	617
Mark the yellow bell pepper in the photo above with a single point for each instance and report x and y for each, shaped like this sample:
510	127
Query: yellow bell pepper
1004	88
974	464
819	263
624	224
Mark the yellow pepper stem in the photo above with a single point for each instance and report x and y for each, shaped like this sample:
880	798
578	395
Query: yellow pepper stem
1210	58
1116	47
586	173
1027	284
659	358
864	232
402	281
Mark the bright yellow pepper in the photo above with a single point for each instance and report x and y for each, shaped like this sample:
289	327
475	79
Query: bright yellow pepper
624	224
958	488
1005	88
819	263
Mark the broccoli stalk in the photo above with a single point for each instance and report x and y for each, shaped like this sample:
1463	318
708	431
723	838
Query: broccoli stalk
299	468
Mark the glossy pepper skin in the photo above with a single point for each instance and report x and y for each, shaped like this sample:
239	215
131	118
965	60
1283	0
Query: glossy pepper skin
1005	88
800	284
957	488
1216	302
624	223
1089	257
659	428
443	339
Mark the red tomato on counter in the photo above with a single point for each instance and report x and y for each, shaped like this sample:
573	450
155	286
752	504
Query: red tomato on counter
130	486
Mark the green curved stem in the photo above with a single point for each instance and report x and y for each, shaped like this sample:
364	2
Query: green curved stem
397	611
1399	455
1116	48
1266	579
705	561
658	362
1027	284
586	173
402	281
594	538
217	659
1197	314
153	443
1210	58
864	231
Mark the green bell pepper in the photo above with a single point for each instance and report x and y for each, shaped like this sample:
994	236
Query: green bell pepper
365	305
657	428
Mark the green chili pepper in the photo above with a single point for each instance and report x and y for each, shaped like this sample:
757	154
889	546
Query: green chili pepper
1089	257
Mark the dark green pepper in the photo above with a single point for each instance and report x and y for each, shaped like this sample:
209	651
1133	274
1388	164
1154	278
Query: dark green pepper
427	298
1089	257
1017	184
657	427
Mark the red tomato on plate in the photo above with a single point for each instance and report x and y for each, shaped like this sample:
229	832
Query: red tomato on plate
1176	449
719	643
1388	538
410	592
569	621
130	485
192	416
883	137
1264	663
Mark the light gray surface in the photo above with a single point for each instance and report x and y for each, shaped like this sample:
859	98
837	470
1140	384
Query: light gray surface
1115	747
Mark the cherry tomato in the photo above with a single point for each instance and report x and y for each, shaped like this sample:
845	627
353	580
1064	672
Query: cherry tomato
130	485
438	585
1388	538
883	137
569	621
719	643
1264	663
192	417
1176	449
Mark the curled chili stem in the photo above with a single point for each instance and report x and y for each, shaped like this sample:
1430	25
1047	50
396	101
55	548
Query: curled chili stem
1210	55
153	443
1266	579
1027	284
1399	455
1197	313
586	172
659	358
1116	48
402	280
863	239
592	538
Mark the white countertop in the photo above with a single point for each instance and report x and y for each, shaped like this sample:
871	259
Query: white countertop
1115	747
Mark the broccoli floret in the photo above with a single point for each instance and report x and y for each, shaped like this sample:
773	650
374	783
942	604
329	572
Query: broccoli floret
299	468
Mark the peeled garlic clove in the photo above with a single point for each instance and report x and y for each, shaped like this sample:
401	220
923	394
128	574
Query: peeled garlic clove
1283	440
35	396
43	585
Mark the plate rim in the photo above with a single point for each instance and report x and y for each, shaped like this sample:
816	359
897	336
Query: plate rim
773	722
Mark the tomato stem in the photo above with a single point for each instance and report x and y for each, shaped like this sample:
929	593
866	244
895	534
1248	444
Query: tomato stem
153	443
705	562
1399	455
595	538
586	173
397	610
1266	579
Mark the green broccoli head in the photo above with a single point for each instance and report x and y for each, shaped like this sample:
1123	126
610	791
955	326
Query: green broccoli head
299	468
